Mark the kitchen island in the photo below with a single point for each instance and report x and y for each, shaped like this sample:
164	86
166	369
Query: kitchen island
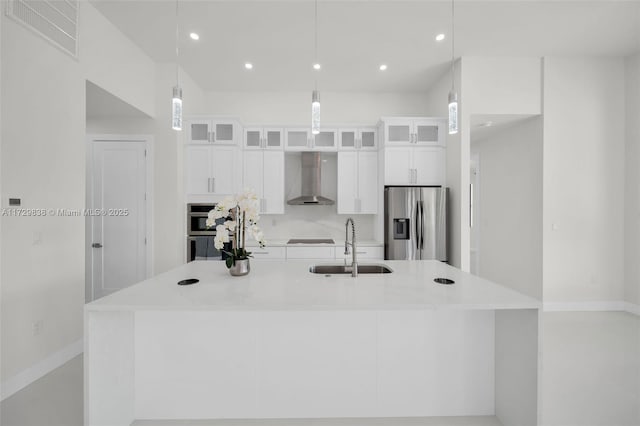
282	342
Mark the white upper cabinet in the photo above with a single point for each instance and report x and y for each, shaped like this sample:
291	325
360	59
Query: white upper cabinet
365	138
211	170
357	182
415	166
263	138
213	131
301	139
264	173
414	131
297	139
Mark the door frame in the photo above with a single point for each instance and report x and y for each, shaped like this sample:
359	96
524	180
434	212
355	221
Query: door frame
149	163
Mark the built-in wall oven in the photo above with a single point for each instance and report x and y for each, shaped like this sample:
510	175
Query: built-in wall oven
200	244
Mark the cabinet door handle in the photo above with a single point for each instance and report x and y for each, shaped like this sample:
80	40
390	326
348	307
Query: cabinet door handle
213	184
212	136
415	175
208	184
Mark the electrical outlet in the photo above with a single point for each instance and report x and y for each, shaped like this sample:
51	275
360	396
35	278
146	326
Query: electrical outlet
37	327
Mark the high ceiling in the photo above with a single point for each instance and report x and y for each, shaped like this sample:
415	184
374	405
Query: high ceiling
356	36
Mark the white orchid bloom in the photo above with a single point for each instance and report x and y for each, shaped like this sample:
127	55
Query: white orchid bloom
230	225
218	243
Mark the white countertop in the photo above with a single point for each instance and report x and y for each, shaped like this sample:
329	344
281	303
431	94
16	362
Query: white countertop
336	243
288	285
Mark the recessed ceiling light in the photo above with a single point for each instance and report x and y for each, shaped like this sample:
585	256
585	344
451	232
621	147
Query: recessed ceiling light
248	65
316	66
194	36
383	67
440	37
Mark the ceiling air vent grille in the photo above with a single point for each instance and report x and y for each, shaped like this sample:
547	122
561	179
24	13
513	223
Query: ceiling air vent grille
55	20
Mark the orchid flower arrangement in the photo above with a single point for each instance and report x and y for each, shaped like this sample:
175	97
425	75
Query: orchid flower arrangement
242	215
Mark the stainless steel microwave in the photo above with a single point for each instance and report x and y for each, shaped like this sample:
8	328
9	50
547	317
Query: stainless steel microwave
197	214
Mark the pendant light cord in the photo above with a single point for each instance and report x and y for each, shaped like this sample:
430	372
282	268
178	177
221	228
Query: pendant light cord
315	38
177	46
453	46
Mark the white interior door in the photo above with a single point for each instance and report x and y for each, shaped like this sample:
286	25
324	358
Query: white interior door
118	233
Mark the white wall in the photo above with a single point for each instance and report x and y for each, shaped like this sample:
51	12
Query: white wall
113	62
169	208
43	164
583	216
497	85
510	206
485	86
632	181
294	108
457	155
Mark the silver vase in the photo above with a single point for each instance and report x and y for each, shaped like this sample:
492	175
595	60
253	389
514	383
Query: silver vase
240	268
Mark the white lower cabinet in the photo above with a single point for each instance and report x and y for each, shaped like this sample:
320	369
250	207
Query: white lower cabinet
268	253
211	170
415	166
264	173
358	182
364	252
320	253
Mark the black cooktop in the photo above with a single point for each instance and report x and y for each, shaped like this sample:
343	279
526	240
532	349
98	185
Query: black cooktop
310	241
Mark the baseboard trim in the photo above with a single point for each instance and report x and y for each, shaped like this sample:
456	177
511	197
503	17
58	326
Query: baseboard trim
632	308
595	306
40	369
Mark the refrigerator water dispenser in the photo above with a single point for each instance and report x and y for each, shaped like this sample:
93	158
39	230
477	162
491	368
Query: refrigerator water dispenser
401	229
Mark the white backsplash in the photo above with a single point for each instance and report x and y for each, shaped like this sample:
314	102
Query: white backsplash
313	221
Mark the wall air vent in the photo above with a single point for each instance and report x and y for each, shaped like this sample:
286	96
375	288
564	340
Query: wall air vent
55	20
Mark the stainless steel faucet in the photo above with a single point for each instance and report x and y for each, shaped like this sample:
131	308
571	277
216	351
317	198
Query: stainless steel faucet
354	261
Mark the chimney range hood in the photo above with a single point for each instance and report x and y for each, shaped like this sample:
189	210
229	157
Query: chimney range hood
311	178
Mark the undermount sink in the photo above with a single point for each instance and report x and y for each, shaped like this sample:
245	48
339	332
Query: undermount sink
346	269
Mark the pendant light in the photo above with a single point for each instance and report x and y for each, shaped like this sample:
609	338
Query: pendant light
315	95
176	101
453	96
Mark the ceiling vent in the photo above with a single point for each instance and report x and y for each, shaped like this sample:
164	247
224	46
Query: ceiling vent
55	20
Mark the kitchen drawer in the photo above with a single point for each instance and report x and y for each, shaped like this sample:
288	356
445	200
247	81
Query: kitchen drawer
371	252
311	252
268	253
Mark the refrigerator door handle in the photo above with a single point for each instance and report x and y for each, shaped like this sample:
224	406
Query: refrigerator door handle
417	227
421	225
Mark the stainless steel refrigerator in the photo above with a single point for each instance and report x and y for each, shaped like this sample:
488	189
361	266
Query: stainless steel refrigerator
415	223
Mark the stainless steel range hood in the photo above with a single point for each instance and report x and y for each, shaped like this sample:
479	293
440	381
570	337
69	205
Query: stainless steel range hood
311	187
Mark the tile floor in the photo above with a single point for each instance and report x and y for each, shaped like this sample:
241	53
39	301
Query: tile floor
591	376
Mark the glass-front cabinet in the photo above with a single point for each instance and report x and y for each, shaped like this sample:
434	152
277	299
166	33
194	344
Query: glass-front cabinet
212	130
263	138
301	139
414	131
364	138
